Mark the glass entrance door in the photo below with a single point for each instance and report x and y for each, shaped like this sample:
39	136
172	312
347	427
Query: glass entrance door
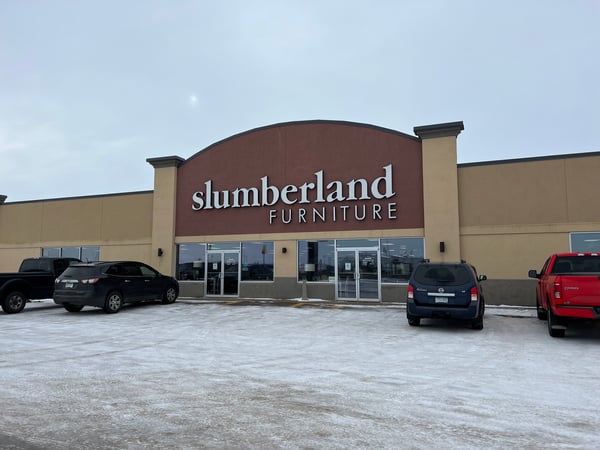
358	276
223	273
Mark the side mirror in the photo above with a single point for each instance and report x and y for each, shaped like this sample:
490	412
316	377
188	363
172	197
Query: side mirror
533	274
482	277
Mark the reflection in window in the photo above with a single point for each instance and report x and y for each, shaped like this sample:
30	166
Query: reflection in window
51	252
90	254
71	252
398	257
585	242
190	261
224	246
316	260
355	243
257	261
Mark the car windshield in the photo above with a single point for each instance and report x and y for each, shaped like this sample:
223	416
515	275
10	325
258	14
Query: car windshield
447	275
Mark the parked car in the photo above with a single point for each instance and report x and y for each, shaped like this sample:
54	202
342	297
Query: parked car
109	285
446	290
34	280
568	288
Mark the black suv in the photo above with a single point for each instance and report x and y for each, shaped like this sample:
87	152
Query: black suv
447	290
109	285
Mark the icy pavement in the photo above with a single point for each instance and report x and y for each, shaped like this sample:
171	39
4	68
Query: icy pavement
215	375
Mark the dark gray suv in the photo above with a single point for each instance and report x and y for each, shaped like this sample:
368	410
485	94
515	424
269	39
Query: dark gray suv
109	285
445	290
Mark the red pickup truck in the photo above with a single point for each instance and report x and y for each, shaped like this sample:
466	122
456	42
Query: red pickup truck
568	287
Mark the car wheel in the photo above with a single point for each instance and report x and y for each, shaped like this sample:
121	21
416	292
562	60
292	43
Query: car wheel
552	322
14	302
413	321
477	324
542	314
113	303
170	295
72	308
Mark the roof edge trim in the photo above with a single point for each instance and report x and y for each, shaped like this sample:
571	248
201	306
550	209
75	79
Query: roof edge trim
439	130
530	159
303	122
80	197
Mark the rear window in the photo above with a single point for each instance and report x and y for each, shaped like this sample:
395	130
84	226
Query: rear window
443	275
36	265
577	264
81	271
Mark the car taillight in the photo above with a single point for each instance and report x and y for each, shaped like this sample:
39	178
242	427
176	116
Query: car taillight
474	294
411	292
90	281
557	289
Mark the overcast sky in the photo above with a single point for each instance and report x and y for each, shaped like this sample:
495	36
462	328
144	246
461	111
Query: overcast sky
89	90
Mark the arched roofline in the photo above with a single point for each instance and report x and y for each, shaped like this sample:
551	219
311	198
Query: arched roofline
304	122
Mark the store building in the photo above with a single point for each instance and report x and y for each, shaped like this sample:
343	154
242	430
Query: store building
325	210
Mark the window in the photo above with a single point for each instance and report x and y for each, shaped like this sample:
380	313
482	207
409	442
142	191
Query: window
86	254
585	242
352	243
577	264
51	252
443	275
89	254
399	256
316	260
71	252
257	261
147	271
190	261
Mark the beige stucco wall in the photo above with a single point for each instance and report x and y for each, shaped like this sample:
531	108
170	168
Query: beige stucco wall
440	198
514	214
163	219
121	225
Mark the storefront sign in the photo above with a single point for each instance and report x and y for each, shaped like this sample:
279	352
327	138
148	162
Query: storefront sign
302	177
317	191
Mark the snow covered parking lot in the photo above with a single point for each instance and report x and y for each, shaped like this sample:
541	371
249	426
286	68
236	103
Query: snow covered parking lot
216	375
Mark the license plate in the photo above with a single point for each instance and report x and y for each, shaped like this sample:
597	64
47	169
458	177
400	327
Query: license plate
68	285
441	300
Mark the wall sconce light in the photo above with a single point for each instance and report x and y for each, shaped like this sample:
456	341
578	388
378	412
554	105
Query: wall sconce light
442	247
160	252
284	250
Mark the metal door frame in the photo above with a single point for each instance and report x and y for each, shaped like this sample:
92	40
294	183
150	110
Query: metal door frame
357	251
222	253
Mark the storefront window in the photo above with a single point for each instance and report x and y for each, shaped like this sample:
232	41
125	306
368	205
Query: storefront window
51	252
398	257
190	261
71	252
224	246
90	253
257	261
84	253
316	260
355	243
585	242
